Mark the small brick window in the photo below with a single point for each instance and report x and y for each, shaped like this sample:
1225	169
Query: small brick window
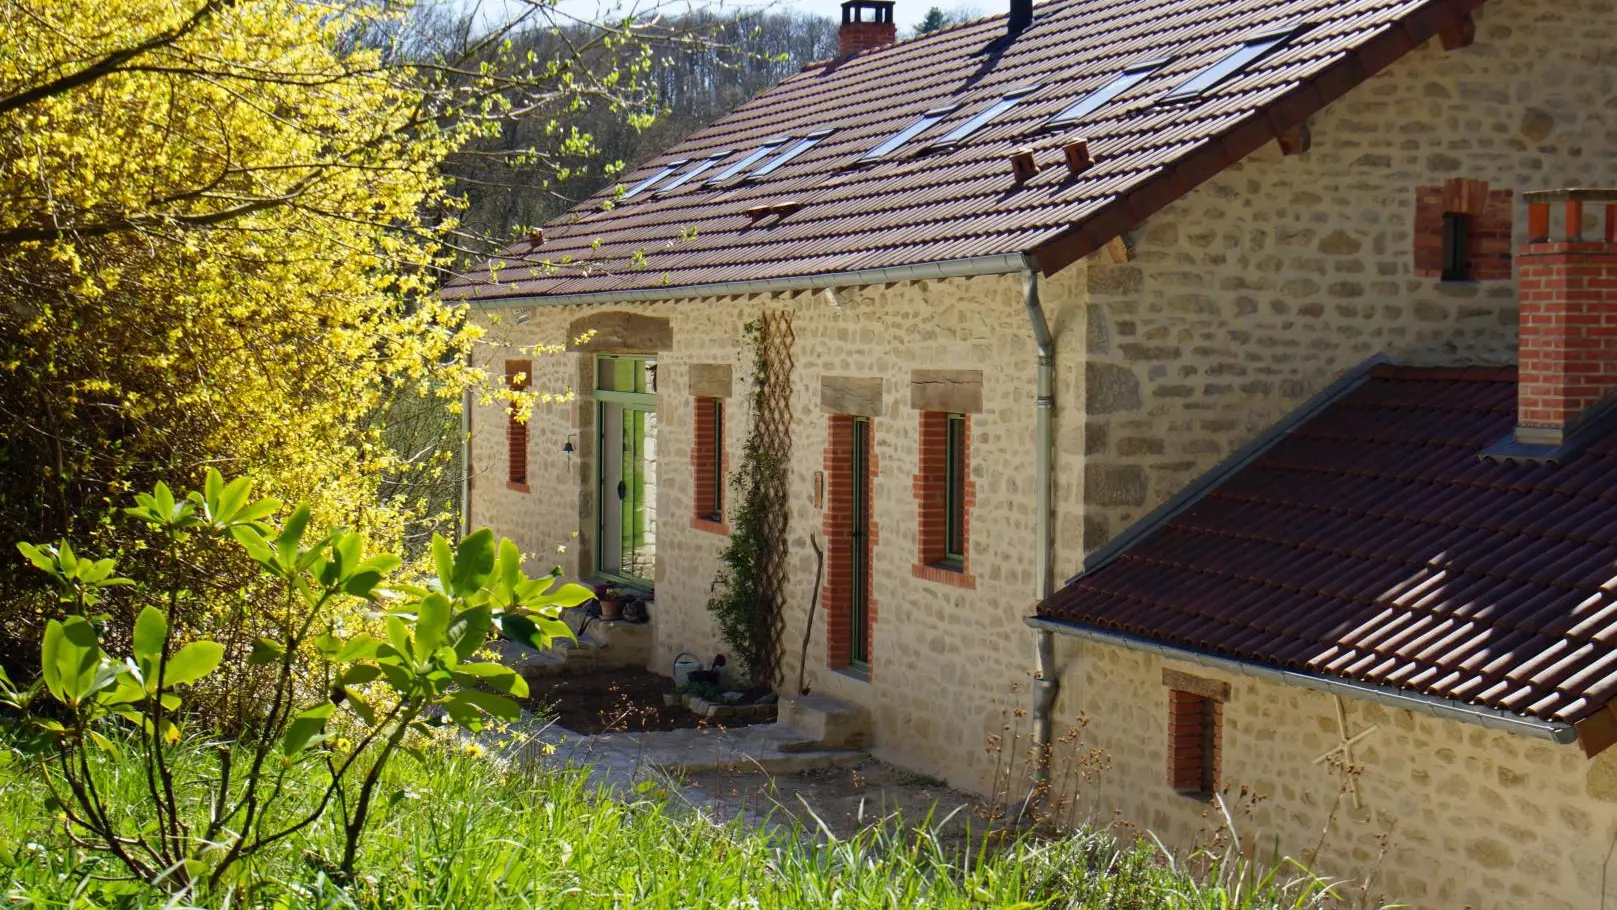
944	494
1462	231
518	374
1195	742
707	464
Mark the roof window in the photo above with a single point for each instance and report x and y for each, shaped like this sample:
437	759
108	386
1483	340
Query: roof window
984	117
695	172
651	181
1098	98
803	145
748	161
921	125
1250	52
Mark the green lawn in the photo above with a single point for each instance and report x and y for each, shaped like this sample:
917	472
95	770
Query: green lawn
461	830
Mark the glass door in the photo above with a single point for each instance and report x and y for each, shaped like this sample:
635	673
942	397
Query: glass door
627	493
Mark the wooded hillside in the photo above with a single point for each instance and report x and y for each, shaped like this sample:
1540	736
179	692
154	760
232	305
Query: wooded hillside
702	65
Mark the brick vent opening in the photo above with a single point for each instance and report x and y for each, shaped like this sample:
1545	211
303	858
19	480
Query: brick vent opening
945	496
1195	743
1466	212
836	596
518	376
709	466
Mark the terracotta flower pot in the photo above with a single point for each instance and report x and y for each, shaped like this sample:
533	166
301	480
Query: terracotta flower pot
611	608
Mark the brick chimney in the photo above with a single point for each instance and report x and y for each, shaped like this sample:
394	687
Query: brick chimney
1021	17
1567	360
865	24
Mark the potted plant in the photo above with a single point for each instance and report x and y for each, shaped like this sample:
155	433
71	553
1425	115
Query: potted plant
611	599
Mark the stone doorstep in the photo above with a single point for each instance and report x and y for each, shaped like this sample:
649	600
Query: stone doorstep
826	722
719	710
782	763
621	758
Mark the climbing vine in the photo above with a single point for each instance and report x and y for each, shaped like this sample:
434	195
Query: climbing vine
747	594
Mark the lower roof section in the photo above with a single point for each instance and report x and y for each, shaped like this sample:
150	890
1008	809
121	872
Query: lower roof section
1372	544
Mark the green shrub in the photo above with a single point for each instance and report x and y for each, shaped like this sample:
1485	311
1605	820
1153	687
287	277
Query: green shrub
341	702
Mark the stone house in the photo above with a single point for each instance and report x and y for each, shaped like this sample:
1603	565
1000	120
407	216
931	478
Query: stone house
1032	291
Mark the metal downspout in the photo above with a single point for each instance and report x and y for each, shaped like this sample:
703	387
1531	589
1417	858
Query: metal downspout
1045	683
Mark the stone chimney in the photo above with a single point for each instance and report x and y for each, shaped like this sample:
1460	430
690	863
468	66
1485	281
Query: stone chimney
1567	348
865	24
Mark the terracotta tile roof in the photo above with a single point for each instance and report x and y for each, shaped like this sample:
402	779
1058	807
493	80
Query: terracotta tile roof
920	207
1371	543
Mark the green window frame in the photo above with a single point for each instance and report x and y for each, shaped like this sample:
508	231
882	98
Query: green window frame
954	492
859	650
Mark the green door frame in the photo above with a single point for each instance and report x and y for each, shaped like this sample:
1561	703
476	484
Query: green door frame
641	402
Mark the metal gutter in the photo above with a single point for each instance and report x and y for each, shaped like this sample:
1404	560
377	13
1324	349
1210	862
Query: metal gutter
1446	709
978	266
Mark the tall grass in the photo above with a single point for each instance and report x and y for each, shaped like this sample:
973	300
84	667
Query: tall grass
462	830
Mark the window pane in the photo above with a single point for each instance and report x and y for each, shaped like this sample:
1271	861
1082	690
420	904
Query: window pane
718	460
1456	247
746	162
1224	68
955	489
647	183
812	140
638	548
1096	99
860	555
961	132
907	133
693	173
626	374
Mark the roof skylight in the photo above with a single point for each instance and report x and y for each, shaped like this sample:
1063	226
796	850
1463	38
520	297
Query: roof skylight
695	172
904	135
1250	52
651	181
1098	98
803	145
984	117
748	161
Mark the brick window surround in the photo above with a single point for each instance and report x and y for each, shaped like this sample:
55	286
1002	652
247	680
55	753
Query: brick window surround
933	561
709	465
518	375
1487	215
836	595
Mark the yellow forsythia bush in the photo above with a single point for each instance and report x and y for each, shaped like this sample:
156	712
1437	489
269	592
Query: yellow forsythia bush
213	253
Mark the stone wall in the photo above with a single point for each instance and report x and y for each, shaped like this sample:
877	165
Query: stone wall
1256	290
1451	814
934	643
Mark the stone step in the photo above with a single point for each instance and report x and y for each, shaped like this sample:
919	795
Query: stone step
771	762
552	661
823	723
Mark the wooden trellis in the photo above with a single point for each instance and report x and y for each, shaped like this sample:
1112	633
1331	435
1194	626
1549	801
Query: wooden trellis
774	427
